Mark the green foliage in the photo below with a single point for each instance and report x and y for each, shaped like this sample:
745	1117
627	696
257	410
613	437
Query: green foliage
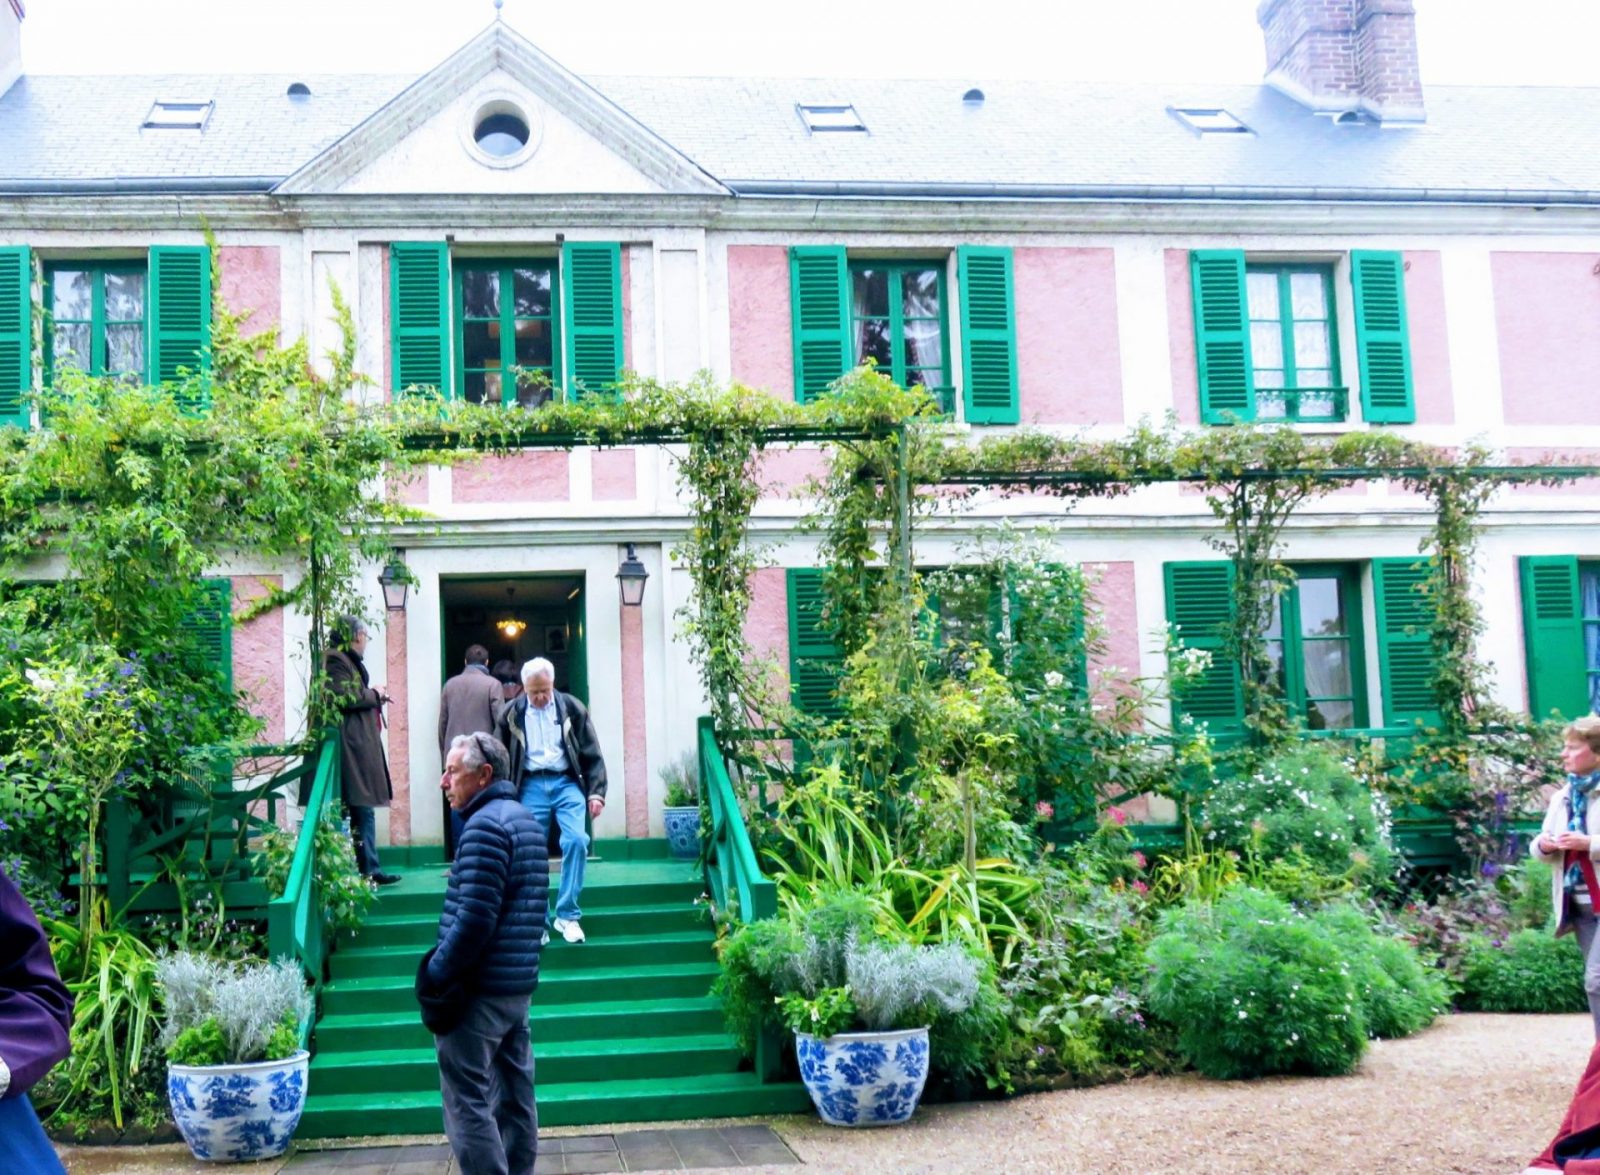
1532	971
345	894
248	1004
752	957
828	1013
1398	995
682	779
1530	883
1255	988
200	1044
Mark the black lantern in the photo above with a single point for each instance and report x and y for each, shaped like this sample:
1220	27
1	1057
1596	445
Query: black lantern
630	579
395	580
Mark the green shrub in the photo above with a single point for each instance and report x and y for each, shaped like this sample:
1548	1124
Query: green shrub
1308	800
1532	971
230	1013
1398	995
1253	988
1530	905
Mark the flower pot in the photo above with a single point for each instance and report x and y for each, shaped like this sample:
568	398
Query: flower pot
234	1113
864	1078
683	832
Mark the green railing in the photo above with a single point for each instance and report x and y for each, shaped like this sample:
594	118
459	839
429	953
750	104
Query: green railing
294	919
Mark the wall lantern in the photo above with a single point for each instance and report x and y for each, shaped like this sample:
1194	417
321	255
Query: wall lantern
395	581
630	579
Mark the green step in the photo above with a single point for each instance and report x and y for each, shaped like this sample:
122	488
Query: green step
656	1099
422	930
641	884
691	946
394	993
683	1016
559	1062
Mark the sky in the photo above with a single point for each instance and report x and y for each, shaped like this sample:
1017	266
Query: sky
1462	42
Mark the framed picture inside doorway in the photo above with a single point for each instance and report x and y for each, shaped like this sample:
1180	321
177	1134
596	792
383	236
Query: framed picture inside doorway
555	638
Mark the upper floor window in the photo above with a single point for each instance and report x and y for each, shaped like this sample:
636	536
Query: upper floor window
1561	634
897	319
505	325
1315	642
97	319
1293	343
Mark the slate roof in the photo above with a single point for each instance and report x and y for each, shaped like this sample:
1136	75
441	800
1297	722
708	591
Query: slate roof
1524	144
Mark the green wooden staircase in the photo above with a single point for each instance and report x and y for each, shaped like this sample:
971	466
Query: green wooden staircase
624	1026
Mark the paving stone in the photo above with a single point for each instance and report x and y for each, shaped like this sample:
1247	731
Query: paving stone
581	1164
766	1156
741	1135
547	1163
587	1144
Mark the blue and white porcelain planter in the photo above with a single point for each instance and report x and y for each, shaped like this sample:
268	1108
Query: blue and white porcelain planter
864	1078
683	832
238	1113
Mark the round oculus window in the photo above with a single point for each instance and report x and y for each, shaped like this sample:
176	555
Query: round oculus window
501	134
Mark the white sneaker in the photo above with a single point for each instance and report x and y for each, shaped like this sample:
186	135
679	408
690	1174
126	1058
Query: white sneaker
570	931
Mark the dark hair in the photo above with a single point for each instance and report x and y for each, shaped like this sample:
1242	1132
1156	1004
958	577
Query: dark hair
477	655
505	672
345	629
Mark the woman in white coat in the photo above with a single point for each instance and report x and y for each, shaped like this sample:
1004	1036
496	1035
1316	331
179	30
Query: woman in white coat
1571	835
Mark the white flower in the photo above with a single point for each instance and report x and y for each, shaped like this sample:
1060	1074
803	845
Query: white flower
1243	1015
1053	679
40	681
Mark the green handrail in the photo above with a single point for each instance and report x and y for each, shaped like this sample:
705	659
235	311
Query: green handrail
294	919
732	870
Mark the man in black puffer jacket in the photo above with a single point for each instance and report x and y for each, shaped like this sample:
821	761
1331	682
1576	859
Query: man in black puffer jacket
476	983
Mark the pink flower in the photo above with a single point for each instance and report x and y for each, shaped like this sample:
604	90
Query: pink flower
1118	815
1140	887
1139	859
1045	811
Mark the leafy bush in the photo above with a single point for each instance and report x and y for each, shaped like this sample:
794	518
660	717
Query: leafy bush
346	895
1533	971
1253	988
1530	884
1308	800
1398	995
1449	928
254	1011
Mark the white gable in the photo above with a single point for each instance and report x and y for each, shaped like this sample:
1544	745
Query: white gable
440	156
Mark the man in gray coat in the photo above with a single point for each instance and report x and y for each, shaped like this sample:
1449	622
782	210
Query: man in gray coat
470	704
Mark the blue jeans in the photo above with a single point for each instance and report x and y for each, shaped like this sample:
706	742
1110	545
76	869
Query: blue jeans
364	837
561	795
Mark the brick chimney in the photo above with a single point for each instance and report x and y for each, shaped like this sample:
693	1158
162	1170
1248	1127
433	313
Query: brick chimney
1345	56
11	14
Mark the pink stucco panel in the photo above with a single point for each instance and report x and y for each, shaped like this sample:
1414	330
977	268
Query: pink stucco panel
258	655
784	472
538	476
614	475
1430	340
410	487
1111	591
399	727
1546	306
766	625
252	281
1581	486
1069	362
635	758
1180	334
762	348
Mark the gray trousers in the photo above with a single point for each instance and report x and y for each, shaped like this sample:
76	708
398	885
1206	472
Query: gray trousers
1584	925
486	1077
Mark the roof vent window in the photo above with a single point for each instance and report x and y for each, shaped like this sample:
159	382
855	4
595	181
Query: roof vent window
973	97
1209	120
178	114
298	90
829	117
501	134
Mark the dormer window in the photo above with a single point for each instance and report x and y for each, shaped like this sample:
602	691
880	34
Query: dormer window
178	114
830	117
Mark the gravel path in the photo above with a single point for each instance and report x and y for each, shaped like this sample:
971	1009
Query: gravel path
1474	1095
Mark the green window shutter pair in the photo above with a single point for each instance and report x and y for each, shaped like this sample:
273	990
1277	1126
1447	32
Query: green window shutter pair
1199	607
16	334
591	292
814	659
1406	657
1222	336
179	320
210	626
1552	618
819	288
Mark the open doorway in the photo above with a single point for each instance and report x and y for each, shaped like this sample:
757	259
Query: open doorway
517	617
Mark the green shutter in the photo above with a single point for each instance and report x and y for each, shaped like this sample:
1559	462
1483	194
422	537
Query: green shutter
591	291
1383	343
1552	630
823	350
16	334
988	336
1406	661
814	660
1222	336
419	294
1199	607
210	626
180	318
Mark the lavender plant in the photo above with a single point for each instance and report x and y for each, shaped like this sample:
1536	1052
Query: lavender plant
220	1013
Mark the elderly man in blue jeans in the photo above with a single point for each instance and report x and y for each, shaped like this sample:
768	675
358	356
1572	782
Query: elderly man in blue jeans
558	772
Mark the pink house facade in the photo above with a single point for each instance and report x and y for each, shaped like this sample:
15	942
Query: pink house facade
1338	257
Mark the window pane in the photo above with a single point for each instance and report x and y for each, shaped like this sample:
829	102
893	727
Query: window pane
871	291
872	342
125	350
1275	655
480	292
1327	669
71	294
924	345
474	387
1266	344
533	344
531	288
532	391
481	346
1268	377
1310	345
72	346
920	293
124	297
1321	607
1262	291
1331	715
1308	295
